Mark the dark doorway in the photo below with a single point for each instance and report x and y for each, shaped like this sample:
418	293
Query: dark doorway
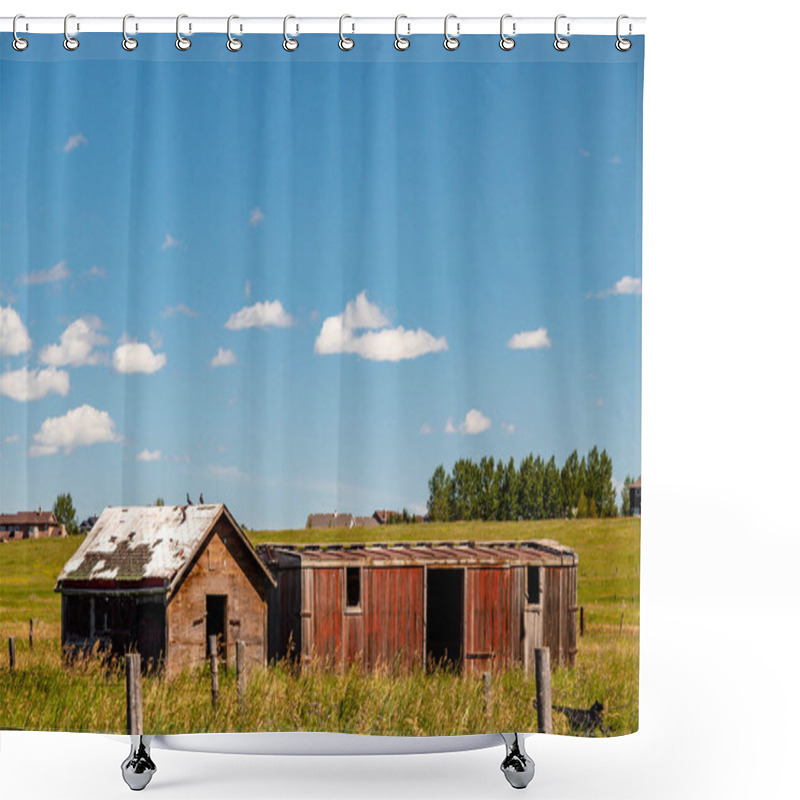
217	623
445	616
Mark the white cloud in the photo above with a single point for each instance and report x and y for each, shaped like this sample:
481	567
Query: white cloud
584	153
169	242
426	429
615	160
184	310
270	313
13	439
95	272
379	343
627	285
624	286
508	427
26	384
256	217
77	344
248	288
79	427
58	272
76	140
156	339
530	340
133	356
475	422
149	455
223	358
14	338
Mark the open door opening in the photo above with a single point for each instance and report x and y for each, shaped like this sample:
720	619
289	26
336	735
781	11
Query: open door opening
217	623
445	617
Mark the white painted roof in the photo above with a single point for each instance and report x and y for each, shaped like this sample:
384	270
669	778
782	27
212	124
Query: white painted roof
135	543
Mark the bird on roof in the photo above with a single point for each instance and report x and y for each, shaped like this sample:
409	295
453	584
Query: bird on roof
201	498
188	499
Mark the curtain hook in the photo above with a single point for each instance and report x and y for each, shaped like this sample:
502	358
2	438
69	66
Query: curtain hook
560	43
345	42
401	42
18	43
507	42
128	42
181	42
70	42
451	42
290	44
622	44
233	44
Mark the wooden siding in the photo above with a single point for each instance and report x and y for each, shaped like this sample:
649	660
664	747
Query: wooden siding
326	615
560	601
221	567
394	611
493	625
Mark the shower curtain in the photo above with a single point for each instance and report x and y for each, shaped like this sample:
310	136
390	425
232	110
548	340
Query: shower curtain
320	386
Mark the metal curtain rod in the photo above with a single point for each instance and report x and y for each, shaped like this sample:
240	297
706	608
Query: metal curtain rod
376	25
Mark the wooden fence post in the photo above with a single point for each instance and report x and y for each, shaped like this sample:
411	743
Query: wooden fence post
487	693
583	621
621	620
30	634
133	687
544	702
241	676
12	654
212	649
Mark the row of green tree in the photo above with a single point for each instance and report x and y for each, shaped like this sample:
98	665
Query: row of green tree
536	489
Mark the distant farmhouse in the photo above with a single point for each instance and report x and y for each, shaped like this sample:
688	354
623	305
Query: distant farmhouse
30	525
162	579
636	498
343	520
477	605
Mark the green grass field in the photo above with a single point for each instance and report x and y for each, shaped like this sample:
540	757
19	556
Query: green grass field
43	694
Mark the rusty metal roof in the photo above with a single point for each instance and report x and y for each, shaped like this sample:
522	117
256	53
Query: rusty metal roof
139	543
545	552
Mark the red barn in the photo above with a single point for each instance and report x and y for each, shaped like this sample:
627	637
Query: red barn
474	604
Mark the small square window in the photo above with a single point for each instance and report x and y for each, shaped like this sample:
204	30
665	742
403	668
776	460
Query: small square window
534	586
353	577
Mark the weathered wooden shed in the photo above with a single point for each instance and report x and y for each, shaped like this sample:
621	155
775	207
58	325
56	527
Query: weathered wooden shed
159	580
475	604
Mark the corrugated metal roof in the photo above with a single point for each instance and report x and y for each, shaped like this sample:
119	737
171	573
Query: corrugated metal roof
140	542
544	552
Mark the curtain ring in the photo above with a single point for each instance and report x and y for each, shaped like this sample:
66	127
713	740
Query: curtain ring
345	42
506	42
450	42
560	43
70	42
128	42
18	43
181	42
401	42
290	44
622	44
233	44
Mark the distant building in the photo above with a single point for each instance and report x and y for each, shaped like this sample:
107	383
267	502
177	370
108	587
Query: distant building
384	516
635	496
160	580
30	525
334	520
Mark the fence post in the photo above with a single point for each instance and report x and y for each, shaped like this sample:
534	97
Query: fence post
583	621
241	676
12	654
212	649
487	693
621	620
544	702
133	687
30	634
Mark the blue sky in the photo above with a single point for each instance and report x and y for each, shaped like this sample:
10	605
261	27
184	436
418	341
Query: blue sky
298	282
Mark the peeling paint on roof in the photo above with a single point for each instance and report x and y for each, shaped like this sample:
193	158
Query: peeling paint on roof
141	542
